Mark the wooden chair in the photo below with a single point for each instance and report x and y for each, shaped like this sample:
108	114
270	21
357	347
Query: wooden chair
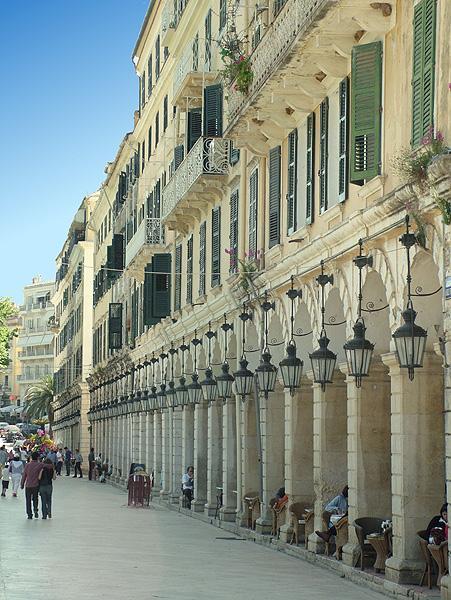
440	555
309	526
342	537
248	501
363	527
255	510
428	572
296	513
280	513
326	520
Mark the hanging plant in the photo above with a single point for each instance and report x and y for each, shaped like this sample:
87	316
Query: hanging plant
248	268
411	166
237	70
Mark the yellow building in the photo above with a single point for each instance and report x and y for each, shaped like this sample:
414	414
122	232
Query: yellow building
9	376
268	198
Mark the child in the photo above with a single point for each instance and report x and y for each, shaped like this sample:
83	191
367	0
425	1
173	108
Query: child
5	479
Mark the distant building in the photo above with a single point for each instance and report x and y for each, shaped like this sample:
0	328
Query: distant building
9	384
35	342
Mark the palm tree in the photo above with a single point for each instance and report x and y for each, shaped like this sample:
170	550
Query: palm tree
39	400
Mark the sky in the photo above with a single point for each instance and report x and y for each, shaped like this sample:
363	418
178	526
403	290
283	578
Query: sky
67	95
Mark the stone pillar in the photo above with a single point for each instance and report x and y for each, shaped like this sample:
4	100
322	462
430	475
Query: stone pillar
369	455
116	446
214	456
136	438
272	420
417	447
229	464
166	459
177	467
250	462
157	450
239	433
298	451
187	437
329	448
148	442
200	456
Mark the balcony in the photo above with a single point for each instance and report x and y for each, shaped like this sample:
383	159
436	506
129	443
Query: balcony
190	76
148	239
197	181
304	52
168	23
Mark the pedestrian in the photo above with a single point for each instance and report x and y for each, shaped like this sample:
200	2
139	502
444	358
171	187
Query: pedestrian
188	486
3	456
5	479
16	468
52	456
78	462
67	460
46	477
24	454
59	461
91	463
30	481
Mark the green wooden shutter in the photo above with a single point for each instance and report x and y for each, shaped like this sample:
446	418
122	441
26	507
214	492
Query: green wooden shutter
178	156
149	143
366	87
216	246
423	76
234	231
189	270
165	113
274	196
253	212
157	58
222	14
202	257
194	126
161	286
118	253
207	57
149	76
310	170
148	317
178	278
110	272
213	110
292	181
234	155
114	326
324	154
343	100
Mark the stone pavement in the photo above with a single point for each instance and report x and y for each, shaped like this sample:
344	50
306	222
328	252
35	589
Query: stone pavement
95	547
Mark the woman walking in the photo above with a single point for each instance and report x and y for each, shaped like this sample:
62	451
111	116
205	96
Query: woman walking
46	477
16	468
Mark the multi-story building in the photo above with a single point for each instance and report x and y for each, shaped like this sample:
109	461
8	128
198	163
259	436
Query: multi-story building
255	210
9	384
35	342
72	324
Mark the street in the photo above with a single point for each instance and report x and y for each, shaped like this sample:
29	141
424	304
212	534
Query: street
96	547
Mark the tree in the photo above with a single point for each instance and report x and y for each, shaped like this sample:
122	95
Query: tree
7	310
39	399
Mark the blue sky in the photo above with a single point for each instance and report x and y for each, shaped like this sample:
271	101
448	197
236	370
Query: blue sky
67	95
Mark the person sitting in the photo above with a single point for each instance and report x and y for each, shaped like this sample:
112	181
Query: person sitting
437	530
281	499
188	486
337	506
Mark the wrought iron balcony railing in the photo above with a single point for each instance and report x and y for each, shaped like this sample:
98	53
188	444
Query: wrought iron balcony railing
291	22
194	69
149	232
208	157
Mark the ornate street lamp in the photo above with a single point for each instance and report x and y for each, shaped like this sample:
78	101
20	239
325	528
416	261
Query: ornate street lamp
181	390
291	366
153	400
410	338
208	385
194	388
161	395
244	378
171	396
323	360
266	372
225	379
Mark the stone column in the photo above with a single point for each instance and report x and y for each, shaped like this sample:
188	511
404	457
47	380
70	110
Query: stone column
417	446
136	438
250	462
214	456
148	456
229	464
272	423
298	450
329	448
200	456
166	459
157	450
177	466
187	437
117	438
369	455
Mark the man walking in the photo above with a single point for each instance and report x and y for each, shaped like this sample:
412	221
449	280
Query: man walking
30	480
78	461
92	463
67	459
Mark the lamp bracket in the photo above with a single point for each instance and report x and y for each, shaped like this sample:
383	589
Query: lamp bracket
363	261
323	279
419	289
227	327
183	348
408	240
163	355
210	334
172	351
244	316
196	341
267	305
293	294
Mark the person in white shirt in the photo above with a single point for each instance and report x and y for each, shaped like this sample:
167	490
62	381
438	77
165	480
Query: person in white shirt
5	479
188	486
16	470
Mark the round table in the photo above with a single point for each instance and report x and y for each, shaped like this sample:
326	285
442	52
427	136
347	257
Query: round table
379	543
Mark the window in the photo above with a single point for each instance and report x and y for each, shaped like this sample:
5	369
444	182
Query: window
343	132
149	76
149	143
310	169
274	196
165	54
292	182
189	270
165	113
324	154
202	257
253	210
423	76
143	155
194	126
277	6
208	41
157	128
216	246
157	58
222	14
213	110
234	231
143	90
178	278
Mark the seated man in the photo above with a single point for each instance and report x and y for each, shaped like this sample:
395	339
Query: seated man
281	498
188	486
337	506
437	530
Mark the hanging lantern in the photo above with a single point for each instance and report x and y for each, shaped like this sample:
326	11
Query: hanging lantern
323	362
244	379
209	387
153	400
224	382
291	369
359	352
171	396
266	374
162	397
182	392
194	390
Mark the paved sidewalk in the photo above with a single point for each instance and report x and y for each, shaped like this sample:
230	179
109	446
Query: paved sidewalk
95	547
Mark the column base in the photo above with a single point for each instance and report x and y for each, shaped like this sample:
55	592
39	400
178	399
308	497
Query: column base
351	553
198	506
211	510
445	586
241	519
315	544
174	498
227	514
263	526
164	495
286	533
402	571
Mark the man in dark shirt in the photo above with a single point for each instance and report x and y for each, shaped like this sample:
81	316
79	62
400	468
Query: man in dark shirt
30	480
92	463
67	459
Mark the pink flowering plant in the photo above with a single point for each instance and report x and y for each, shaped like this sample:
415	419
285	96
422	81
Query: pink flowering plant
237	71
248	267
